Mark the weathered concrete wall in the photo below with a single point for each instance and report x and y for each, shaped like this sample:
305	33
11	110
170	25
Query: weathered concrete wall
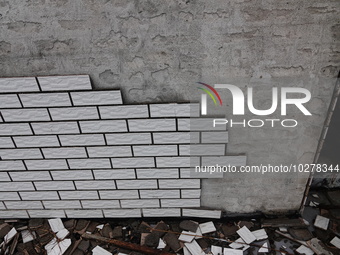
154	51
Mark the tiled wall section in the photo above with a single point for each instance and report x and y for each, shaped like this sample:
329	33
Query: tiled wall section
69	151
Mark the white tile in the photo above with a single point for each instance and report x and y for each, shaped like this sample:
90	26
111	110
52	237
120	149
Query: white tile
109	151
174	110
82	140
128	138
72	175
238	244
84	213
305	250
39	195
18	84
103	126
16	186
11	165
6	142
9	101
28	236
214	214
74	113
56	225
62	204
47	164
246	235
4	177
8	196
158	193
321	222
194	248
336	242
20	154
177	161
227	251
191	193
260	234
186	236
124	112
155	150
24	205
45	99
207	227
36	141
15	129
114	174
30	176
140	203
78	195
90	163
94	204
100	251
165	212
264	248
216	250
119	194
25	115
12	214
132	162
180	184
51	153
61	247
122	213
152	125
215	137
180	203
70	82
10	235
97	97
157	173
54	185
46	213
136	184
55	128
96	185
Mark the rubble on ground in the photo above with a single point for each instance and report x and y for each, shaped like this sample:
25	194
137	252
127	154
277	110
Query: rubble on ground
317	233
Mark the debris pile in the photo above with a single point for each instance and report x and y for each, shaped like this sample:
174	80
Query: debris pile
318	234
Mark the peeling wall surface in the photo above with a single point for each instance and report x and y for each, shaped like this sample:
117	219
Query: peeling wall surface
155	52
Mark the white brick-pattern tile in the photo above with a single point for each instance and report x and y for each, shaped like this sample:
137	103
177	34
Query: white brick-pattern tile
97	97
109	151
45	99
124	111
19	84
72	175
174	110
155	150
55	128
69	151
36	141
6	142
9	101
74	113
103	126
162	212
25	115
152	125
70	82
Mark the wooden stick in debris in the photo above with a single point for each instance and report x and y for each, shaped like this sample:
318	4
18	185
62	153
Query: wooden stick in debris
129	246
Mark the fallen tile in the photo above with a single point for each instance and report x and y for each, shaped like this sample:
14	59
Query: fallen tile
260	234
186	236
189	225
161	244
239	244
28	236
186	251
198	234
172	241
100	251
321	222
56	225
227	251
303	250
264	248
216	250
194	248
336	242
207	227
318	247
62	233
100	226
246	235
10	235
60	248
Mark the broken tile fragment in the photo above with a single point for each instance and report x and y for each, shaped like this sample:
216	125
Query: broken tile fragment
60	248
228	251
216	250
260	234
303	250
239	244
56	225
11	234
100	251
194	248
264	248
207	227
246	235
186	236
28	236
336	242
321	222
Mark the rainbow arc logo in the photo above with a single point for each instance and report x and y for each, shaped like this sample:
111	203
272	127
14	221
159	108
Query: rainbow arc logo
212	93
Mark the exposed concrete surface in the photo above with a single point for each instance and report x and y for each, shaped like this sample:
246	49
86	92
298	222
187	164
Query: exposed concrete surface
155	51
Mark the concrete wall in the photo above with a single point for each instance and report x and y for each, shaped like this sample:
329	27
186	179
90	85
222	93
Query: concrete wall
155	51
